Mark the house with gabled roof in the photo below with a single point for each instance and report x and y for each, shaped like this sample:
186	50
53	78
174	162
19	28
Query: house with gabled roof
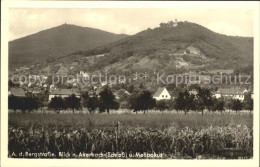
18	92
162	94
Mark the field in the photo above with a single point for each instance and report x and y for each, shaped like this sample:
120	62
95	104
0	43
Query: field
164	135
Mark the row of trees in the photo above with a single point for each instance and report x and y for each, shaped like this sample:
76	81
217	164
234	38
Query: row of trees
104	102
71	102
186	102
23	103
137	101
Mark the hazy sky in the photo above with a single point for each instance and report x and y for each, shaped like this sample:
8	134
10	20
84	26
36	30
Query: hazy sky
25	21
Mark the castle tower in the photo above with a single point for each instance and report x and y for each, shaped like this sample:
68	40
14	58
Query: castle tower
175	23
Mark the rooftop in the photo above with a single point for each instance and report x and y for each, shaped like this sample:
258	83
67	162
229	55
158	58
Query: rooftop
158	92
19	92
230	91
65	92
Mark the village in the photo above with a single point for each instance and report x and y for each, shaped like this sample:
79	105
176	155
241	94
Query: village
164	96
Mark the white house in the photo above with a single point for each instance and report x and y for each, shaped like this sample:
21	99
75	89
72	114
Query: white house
162	94
64	93
230	93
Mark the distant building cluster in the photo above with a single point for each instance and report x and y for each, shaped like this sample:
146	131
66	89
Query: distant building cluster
64	93
231	93
225	93
169	24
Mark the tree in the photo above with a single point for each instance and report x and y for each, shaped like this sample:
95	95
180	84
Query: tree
236	105
13	103
171	87
203	99
142	101
248	102
162	105
12	84
123	98
184	101
57	104
170	23
188	101
107	99
40	100
22	103
72	102
115	105
171	105
130	89
161	24
179	102
218	105
228	104
91	103
31	104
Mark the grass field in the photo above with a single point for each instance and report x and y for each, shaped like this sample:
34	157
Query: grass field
172	135
156	121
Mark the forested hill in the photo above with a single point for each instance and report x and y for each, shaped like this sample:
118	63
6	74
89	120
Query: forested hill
186	47
55	42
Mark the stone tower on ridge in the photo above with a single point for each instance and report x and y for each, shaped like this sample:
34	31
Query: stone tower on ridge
175	23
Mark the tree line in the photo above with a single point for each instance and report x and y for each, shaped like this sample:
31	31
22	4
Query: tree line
23	103
186	101
203	101
138	101
103	102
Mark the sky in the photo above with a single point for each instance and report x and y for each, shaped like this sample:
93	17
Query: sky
26	21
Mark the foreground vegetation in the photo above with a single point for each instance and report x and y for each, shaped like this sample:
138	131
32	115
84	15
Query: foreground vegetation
171	135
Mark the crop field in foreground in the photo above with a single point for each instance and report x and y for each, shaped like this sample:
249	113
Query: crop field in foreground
39	135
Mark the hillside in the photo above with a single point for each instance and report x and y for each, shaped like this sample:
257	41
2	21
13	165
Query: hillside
166	41
186	48
56	42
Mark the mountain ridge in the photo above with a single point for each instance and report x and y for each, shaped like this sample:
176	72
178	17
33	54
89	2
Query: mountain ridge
65	24
186	47
57	41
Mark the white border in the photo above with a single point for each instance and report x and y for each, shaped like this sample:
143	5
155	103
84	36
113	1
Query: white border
5	161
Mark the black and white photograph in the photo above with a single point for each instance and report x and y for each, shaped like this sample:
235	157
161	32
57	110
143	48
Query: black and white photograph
130	83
